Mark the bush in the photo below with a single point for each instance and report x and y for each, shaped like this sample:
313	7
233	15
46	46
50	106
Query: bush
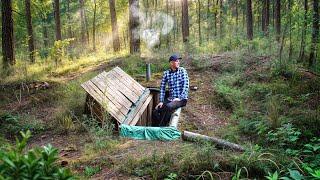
39	163
11	124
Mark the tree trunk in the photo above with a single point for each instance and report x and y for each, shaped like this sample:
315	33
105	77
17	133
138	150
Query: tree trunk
133	26
215	17
69	20
7	35
45	33
82	22
220	18
249	21
30	31
114	26
266	16
167	9
191	136
237	15
208	20
315	34
304	32
56	6
175	25
94	26
185	21
199	22
278	19
86	25
290	29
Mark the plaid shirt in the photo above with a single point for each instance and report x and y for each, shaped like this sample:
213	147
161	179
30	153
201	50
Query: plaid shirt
178	82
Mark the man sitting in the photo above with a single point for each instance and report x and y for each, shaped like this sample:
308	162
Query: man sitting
178	82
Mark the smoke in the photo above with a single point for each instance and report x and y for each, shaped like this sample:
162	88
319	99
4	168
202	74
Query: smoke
152	26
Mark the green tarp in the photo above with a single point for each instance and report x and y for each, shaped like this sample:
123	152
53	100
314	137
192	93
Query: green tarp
149	133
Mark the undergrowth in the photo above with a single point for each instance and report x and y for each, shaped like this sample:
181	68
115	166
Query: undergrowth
276	108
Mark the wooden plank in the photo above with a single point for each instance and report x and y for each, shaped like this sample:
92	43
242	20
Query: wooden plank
132	84
114	91
110	98
138	105
141	110
128	78
111	93
92	93
129	85
136	86
121	88
104	101
149	120
126	90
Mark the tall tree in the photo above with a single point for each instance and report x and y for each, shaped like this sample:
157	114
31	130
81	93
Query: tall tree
278	19
7	34
94	25
56	7
208	20
82	23
30	31
290	28
315	34
69	19
303	32
199	21
133	26
215	14
220	18
114	26
185	21
265	16
249	21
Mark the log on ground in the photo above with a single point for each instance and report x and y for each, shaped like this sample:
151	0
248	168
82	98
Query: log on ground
191	136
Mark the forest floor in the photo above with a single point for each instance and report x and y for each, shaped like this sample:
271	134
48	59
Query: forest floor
200	116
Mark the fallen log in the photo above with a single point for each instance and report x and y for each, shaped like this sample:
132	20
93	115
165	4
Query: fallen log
191	136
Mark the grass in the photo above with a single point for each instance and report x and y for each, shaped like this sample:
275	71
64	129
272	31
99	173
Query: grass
263	96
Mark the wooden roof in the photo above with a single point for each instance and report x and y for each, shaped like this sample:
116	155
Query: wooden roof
118	93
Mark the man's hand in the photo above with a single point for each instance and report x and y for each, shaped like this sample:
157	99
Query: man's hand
159	105
176	99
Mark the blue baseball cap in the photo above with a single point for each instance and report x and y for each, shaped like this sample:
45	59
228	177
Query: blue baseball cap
174	57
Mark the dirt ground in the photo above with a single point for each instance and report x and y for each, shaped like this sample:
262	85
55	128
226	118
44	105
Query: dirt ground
198	116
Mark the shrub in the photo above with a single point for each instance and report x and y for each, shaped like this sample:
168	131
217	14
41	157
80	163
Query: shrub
11	124
39	163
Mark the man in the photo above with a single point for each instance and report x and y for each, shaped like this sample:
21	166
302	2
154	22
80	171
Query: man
178	82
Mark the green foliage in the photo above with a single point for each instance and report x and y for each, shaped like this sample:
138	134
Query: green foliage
171	176
38	163
274	176
58	51
257	161
227	96
90	171
284	135
156	165
11	124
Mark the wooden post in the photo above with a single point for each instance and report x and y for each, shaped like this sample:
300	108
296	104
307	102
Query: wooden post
148	72
190	136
